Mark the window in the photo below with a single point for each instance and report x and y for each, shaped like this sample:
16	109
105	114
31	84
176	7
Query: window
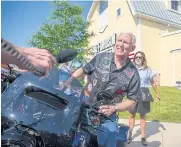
174	5
118	12
103	5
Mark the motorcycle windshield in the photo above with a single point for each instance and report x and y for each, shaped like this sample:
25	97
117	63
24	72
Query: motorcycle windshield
41	102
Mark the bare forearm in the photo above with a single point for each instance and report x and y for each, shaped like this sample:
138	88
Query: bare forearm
155	88
154	85
7	59
78	73
8	53
126	105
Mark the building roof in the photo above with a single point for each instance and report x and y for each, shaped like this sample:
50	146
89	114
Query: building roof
153	9
91	10
156	9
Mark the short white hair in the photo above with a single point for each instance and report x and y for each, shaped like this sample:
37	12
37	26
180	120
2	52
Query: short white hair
133	40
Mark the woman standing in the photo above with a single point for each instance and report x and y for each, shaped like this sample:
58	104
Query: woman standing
143	106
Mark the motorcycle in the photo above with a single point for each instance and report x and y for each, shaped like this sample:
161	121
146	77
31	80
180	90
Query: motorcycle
8	75
36	113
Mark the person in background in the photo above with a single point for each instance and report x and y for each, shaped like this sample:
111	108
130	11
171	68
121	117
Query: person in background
143	106
65	72
67	67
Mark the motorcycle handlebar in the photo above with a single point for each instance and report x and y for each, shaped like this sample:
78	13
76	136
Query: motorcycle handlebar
95	110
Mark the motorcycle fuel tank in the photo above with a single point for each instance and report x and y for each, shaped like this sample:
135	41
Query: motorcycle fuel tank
38	103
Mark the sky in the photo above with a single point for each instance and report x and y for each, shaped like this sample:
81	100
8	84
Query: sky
21	19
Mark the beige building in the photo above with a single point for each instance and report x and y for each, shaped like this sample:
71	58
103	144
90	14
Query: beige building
156	24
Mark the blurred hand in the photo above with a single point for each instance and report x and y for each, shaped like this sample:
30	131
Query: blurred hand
35	60
106	110
66	84
63	85
41	60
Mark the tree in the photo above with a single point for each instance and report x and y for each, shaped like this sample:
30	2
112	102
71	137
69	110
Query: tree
65	29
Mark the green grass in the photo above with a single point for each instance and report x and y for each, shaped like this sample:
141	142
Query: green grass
167	110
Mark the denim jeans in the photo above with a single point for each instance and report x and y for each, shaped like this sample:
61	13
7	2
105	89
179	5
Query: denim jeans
106	132
108	138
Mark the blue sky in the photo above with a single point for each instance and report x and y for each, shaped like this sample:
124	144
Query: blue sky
21	19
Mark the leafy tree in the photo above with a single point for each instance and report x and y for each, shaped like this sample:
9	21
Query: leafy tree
65	29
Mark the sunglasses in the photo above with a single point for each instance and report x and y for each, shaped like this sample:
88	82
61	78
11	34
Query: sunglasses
138	57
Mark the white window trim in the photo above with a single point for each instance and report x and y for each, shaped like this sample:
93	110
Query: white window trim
102	30
172	10
104	9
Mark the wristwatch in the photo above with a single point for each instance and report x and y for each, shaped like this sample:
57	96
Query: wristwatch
115	107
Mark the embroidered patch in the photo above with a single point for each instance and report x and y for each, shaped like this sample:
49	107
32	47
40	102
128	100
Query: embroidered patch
95	74
128	72
119	91
122	79
89	87
94	82
104	65
106	61
102	69
105	77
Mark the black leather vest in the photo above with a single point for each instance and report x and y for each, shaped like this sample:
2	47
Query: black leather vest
100	80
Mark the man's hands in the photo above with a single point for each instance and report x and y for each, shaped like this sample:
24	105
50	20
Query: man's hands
123	106
41	59
35	60
107	110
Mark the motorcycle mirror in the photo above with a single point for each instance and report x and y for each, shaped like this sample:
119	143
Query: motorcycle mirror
66	55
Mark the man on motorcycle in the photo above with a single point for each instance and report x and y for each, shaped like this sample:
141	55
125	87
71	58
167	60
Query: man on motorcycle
115	74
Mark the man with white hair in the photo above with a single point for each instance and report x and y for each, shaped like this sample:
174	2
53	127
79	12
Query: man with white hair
115	74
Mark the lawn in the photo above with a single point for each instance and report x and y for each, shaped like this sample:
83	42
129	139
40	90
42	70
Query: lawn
167	110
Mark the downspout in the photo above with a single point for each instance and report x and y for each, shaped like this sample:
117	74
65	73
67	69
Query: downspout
173	68
173	64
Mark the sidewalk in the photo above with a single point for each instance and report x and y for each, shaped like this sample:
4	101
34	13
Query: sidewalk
158	134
